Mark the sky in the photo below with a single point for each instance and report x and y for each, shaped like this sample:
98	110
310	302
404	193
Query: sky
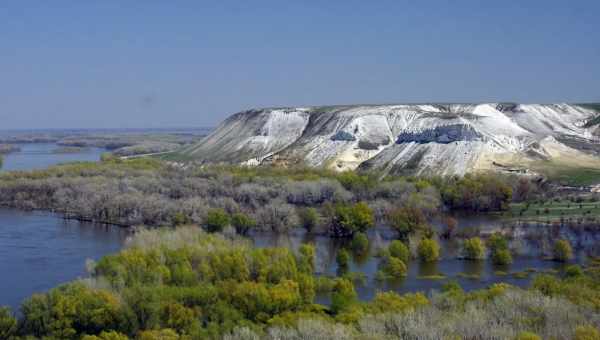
150	63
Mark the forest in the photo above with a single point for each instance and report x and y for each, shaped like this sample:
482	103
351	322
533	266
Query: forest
185	283
189	272
155	193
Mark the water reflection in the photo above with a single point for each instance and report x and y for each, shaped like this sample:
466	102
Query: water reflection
421	276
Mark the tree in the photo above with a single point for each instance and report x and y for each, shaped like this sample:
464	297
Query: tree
562	251
343	295
360	243
586	333
309	218
216	220
502	257
428	250
450	224
343	259
500	252
406	220
399	250
349	219
473	249
110	335
528	336
394	267
8	323
306	258
242	223
163	334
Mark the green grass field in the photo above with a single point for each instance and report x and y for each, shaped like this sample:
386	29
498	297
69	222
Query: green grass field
554	210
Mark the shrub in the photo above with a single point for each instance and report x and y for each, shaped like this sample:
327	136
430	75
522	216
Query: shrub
499	249
406	220
216	220
360	243
343	259
502	257
242	223
562	251
473	249
309	218
546	284
8	323
399	250
343	295
111	335
349	219
528	336
428	250
163	334
306	258
586	333
573	271
394	267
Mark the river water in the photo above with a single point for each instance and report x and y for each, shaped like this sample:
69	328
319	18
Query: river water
42	155
41	250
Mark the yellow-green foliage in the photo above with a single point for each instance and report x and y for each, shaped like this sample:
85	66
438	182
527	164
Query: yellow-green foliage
528	336
587	333
399	250
188	284
499	249
562	251
474	249
394	267
428	250
111	335
391	302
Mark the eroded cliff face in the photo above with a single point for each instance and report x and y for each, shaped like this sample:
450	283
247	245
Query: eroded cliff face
415	139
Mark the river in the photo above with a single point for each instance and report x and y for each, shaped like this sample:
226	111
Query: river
41	250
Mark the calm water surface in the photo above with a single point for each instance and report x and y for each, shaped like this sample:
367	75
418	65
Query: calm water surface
40	250
42	155
470	274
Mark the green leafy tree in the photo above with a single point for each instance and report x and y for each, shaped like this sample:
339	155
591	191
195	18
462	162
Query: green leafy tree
586	333
180	218
473	249
343	259
428	250
110	335
343	295
216	220
349	219
394	267
499	250
562	251
242	223
406	220
306	258
360	243
8	323
309	218
399	250
528	336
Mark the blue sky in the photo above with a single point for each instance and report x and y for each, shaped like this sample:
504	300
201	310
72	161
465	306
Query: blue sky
191	63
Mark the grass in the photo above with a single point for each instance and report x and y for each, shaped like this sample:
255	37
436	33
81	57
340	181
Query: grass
554	210
469	276
431	277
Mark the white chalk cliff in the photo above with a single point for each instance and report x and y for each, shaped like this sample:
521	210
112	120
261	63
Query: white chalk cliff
408	139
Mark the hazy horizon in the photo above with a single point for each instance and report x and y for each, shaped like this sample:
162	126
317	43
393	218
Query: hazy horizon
109	64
